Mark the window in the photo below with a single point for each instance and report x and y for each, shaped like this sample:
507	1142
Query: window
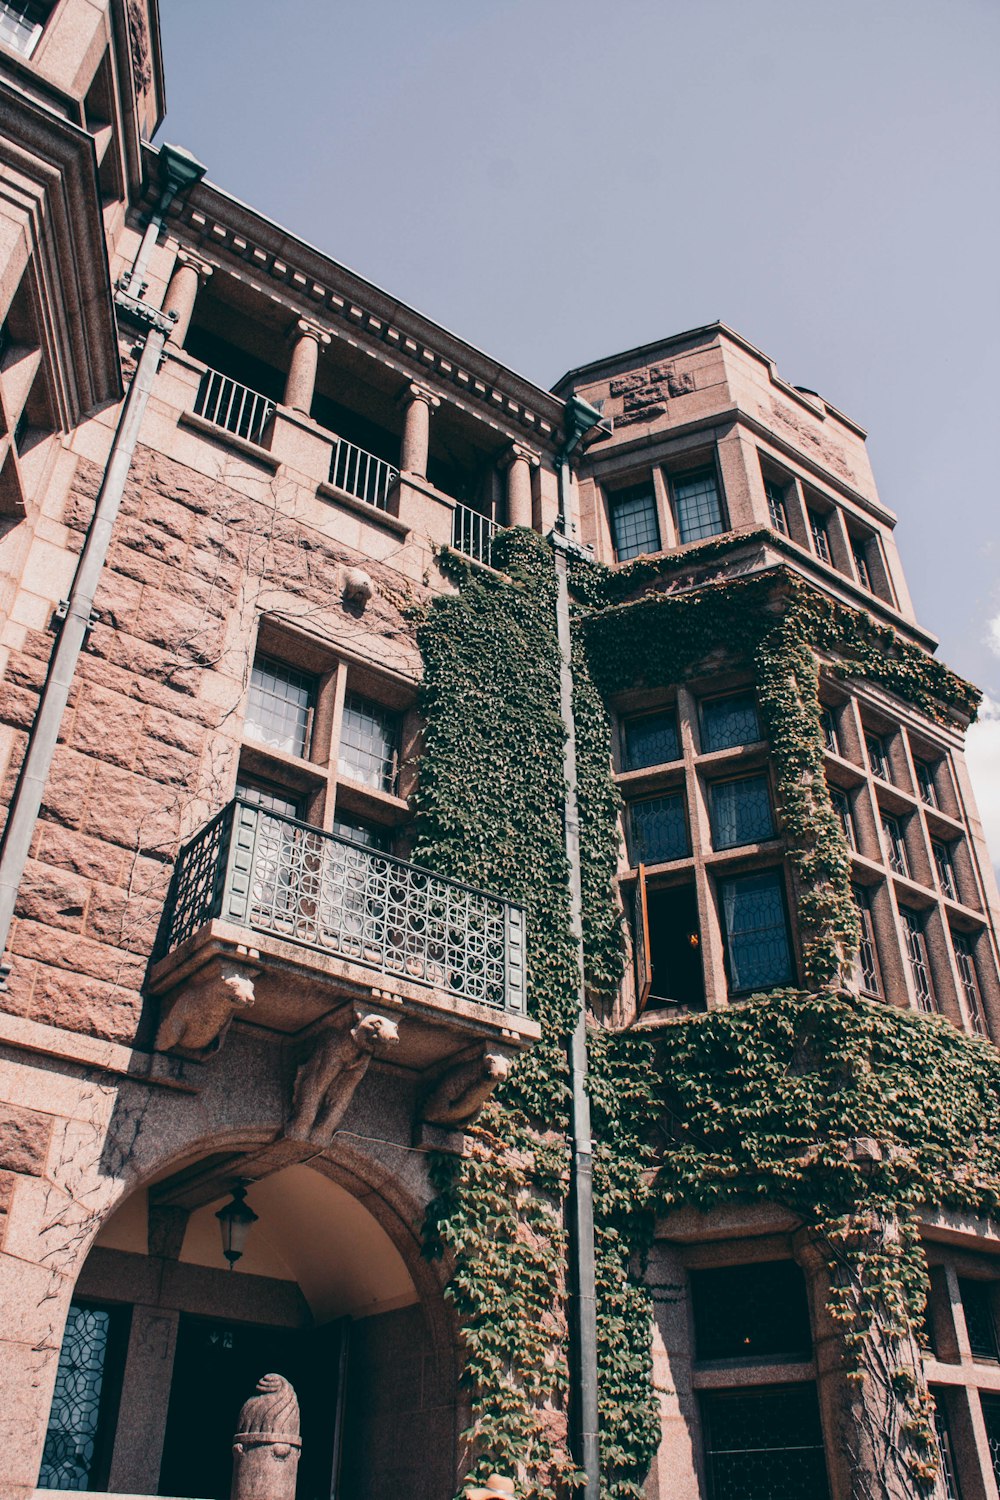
751	1312
756	932
22	23
764	1444
776	511
943	1436
360	832
945	869
991	1421
925	782
269	799
866	970
82	1415
859	551
634	527
877	757
729	721
281	706
820	535
369	740
977	1304
696	504
659	829
840	802
828	724
895	848
916	952
652	740
740	812
966	961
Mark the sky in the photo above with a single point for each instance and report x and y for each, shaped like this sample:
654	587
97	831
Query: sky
556	181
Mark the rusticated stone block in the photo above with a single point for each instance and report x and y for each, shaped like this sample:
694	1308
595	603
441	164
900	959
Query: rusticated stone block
99	709
53	895
24	1140
108	1011
65	950
122	918
18	705
67	849
68	787
7	1184
135	565
128	809
164	763
174	729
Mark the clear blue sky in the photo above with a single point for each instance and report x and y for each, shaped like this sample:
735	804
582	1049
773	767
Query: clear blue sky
557	180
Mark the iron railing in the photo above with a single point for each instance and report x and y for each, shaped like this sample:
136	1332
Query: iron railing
276	875
361	474
237	408
473	533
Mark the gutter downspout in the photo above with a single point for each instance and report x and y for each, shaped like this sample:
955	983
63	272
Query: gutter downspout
581	419
180	170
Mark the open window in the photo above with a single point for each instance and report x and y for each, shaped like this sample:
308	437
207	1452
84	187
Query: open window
669	973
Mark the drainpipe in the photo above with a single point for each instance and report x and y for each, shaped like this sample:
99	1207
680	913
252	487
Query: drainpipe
179	171
581	418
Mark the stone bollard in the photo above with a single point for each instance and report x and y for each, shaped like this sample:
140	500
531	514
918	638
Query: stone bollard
266	1444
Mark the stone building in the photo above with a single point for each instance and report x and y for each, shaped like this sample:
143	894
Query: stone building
241	1025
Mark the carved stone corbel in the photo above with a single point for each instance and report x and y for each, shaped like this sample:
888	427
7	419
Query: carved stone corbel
202	1012
457	1097
328	1077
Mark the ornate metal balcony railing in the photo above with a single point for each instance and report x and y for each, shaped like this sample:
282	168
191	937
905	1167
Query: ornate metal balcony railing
235	407
279	876
361	474
473	533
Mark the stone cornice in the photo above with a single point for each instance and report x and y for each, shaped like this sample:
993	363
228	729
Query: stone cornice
242	241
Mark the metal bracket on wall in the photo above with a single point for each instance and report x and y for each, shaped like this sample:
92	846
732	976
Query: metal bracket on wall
62	610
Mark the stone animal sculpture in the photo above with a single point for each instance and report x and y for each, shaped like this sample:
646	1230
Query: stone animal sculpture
202	1013
458	1097
266	1444
327	1079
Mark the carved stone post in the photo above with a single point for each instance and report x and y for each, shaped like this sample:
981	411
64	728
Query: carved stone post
519	462
267	1444
190	273
300	385
417	402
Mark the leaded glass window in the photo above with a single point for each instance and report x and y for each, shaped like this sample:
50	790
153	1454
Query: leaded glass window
360	832
828	721
943	1436
756	932
866	964
861	564
634	526
651	740
820	535
369	739
756	1311
925	782
729	721
980	1324
966	961
895	848
841	804
279	713
945	869
877	757
659	829
696	502
268	799
991	1421
69	1459
764	1444
916	952
776	506
741	812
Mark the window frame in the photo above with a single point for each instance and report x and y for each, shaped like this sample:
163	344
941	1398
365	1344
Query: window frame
819	534
914	929
710	702
677	477
715	788
614	498
722	883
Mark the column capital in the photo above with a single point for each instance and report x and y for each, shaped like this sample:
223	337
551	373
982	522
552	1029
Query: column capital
518	451
414	391
195	262
305	328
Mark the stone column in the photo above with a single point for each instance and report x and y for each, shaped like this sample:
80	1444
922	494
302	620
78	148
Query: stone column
519	462
417	402
142	1415
301	383
190	273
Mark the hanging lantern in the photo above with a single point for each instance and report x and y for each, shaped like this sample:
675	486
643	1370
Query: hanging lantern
236	1220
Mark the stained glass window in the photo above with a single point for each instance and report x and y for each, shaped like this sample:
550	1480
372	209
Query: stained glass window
741	812
696	501
757	949
69	1456
764	1444
651	740
280	708
729	721
634	527
369	738
659	829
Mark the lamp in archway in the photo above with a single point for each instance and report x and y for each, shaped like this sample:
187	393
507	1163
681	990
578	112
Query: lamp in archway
236	1220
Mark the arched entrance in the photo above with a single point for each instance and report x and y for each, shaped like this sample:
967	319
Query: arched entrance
164	1343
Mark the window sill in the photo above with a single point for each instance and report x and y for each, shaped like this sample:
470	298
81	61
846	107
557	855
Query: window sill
370	513
227	439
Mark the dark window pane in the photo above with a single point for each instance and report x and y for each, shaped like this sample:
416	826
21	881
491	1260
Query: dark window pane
943	1436
741	812
991	1420
895	848
659	829
977	1303
925	783
828	721
21	23
696	500
877	758
729	721
842	807
281	700
764	1444
945	869
652	740
859	549
753	913
751	1312
634	527
369	736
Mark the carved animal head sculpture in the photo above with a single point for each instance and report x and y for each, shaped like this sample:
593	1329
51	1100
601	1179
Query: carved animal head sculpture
375	1031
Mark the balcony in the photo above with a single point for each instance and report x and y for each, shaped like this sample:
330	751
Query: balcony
315	921
361	474
234	407
473	533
